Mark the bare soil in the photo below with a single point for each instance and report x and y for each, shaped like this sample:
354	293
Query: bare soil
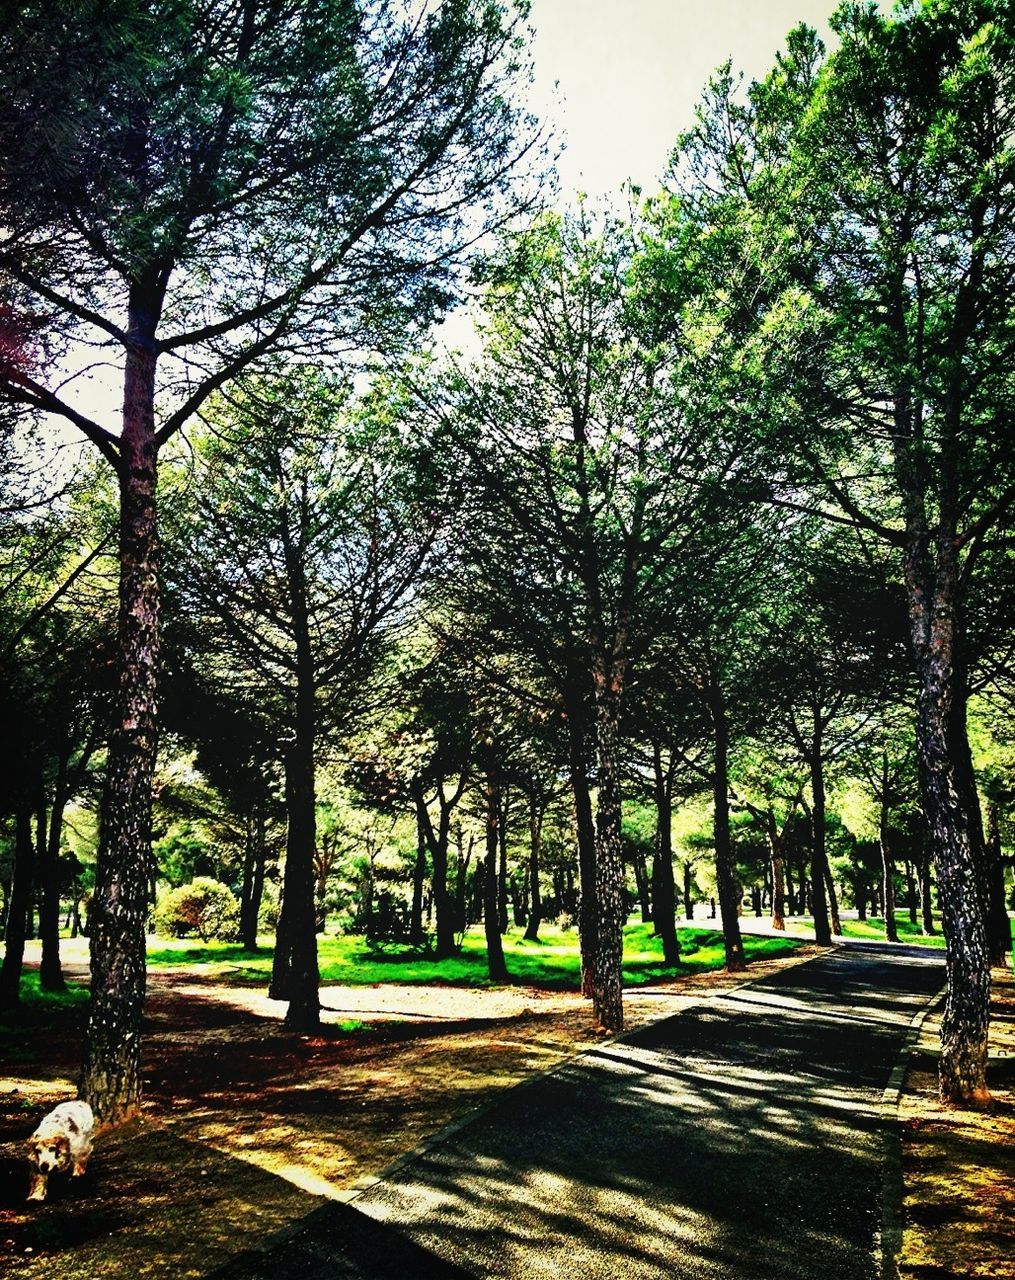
959	1166
246	1127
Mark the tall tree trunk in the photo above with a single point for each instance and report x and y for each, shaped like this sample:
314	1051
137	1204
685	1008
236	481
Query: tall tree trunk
438	842
688	894
17	912
953	818
607	992
926	901
303	986
816	764
111	1069
999	933
502	874
725	867
255	888
536	812
418	877
912	902
833	902
577	741
790	891
641	880
247	885
461	871
860	893
887	863
50	971
496	966
664	907
444	905
778	878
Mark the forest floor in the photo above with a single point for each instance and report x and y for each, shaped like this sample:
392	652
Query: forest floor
959	1166
247	1127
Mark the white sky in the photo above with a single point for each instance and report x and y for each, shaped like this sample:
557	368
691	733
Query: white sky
630	72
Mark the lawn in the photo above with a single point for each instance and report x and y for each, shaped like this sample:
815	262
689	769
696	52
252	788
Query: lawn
553	961
873	930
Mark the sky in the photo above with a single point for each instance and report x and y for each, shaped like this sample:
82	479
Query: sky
629	73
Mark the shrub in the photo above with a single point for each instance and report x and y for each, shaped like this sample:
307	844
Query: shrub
204	907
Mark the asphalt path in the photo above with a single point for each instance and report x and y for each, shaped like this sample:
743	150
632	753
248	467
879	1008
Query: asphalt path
739	1139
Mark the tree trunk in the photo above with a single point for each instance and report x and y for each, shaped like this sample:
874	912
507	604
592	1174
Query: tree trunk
607	992
535	842
816	764
725	868
833	902
641	880
418	879
953	818
254	891
664	907
887	863
17	912
50	971
778	879
491	904
502	873
111	1070
302	989
861	900
438	842
688	894
444	906
790	891
461	870
912	903
926	903
999	933
577	739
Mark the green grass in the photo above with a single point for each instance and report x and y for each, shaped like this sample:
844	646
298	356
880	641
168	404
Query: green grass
553	961
33	996
42	1010
873	930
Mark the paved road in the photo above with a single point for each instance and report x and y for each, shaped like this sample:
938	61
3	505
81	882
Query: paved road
738	1138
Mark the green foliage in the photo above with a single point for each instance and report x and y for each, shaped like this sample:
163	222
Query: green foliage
204	906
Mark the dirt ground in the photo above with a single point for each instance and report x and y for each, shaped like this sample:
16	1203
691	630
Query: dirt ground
246	1127
959	1166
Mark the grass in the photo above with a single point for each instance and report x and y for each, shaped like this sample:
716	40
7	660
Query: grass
33	996
42	1010
553	961
873	930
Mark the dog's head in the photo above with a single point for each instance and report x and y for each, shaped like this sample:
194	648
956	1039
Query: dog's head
50	1154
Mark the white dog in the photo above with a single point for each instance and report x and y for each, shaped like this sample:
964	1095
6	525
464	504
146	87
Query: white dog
62	1141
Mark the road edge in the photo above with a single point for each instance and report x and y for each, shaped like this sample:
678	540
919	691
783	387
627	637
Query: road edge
893	1189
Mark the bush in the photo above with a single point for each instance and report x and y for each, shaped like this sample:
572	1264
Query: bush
204	907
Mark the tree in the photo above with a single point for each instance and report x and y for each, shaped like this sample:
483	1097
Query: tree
584	483
911	183
214	179
857	213
304	540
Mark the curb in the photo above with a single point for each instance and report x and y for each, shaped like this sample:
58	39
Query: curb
348	1195
892	1188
